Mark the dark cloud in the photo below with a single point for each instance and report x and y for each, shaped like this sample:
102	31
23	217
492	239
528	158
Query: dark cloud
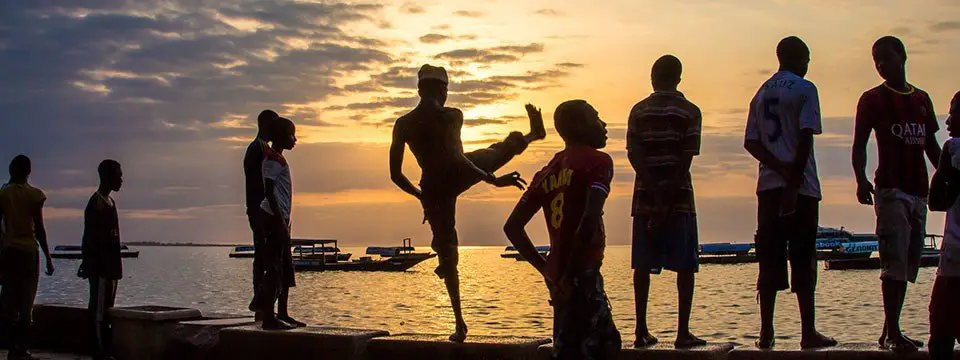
434	38
550	12
497	54
570	65
469	14
944	26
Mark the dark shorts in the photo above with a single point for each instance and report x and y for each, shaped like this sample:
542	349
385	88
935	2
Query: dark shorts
783	238
439	199
583	326
945	313
673	245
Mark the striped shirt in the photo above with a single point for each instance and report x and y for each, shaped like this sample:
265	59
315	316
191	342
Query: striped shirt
666	126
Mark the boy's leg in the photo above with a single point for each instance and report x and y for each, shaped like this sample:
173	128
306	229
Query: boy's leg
256	226
679	234
95	315
943	318
270	285
289	281
642	261
771	250
803	263
893	234
495	156
441	214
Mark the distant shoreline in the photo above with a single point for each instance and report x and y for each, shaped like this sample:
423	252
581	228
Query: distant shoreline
182	244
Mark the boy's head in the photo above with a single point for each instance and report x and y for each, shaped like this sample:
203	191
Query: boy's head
954	116
579	123
665	74
432	84
284	134
20	167
265	122
890	58
794	55
111	176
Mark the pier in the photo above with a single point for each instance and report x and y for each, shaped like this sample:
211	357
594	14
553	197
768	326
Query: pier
161	332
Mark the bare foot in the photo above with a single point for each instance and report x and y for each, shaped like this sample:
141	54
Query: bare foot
289	320
537	131
899	345
766	340
687	341
817	340
645	339
460	335
275	324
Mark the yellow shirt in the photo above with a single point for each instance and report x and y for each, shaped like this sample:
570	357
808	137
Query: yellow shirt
19	203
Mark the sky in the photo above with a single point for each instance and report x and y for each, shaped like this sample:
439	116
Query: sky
171	89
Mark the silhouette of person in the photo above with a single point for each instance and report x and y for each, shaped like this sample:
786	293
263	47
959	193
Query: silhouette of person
571	189
21	210
253	180
663	136
944	313
784	116
275	210
102	265
433	133
905	125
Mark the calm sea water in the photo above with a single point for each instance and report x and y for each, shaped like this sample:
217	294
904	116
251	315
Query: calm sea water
500	296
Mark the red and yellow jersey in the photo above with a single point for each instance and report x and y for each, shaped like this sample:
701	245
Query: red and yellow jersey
560	189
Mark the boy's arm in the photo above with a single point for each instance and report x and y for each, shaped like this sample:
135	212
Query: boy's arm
515	230
396	162
271	196
933	150
861	136
755	147
41	232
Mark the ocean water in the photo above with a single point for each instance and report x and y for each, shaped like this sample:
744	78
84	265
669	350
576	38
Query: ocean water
500	296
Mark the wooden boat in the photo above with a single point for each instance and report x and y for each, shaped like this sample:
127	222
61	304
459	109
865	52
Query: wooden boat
248	251
510	252
930	258
242	252
75	252
314	256
831	243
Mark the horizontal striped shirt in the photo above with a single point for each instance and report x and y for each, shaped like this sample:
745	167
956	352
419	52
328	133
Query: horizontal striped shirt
666	127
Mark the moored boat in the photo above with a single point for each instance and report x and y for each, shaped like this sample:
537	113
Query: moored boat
245	251
75	252
510	252
930	258
831	243
317	255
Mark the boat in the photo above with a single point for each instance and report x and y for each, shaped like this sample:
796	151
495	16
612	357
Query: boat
245	252
930	258
832	243
510	252
248	251
75	252
314	255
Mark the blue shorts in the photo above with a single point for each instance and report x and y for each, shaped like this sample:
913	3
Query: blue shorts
673	245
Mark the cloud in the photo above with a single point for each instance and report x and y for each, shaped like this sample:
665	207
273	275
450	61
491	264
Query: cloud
469	14
498	54
570	65
550	12
944	26
411	8
434	38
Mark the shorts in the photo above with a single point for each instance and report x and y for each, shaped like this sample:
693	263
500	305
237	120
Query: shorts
782	238
672	245
583	326
944	313
901	229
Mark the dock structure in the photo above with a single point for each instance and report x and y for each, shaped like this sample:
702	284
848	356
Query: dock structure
159	332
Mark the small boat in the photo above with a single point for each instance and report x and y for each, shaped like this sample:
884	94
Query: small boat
315	255
930	257
244	252
727	253
510	252
248	251
75	252
831	244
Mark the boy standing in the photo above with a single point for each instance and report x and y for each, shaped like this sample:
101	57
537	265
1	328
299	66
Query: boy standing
102	265
663	136
571	190
21	210
944	314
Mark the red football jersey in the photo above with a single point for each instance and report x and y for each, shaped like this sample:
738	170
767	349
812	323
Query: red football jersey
560	189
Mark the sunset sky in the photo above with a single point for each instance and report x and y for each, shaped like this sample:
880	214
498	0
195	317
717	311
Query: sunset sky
171	89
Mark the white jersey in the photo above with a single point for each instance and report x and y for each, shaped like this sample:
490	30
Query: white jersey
785	105
275	168
950	247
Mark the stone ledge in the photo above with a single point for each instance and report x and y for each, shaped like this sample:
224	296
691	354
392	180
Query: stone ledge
847	351
663	351
430	347
252	342
61	327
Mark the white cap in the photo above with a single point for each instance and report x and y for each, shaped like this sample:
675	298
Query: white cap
428	72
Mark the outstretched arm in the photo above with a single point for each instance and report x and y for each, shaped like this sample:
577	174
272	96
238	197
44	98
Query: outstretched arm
517	234
41	232
396	162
